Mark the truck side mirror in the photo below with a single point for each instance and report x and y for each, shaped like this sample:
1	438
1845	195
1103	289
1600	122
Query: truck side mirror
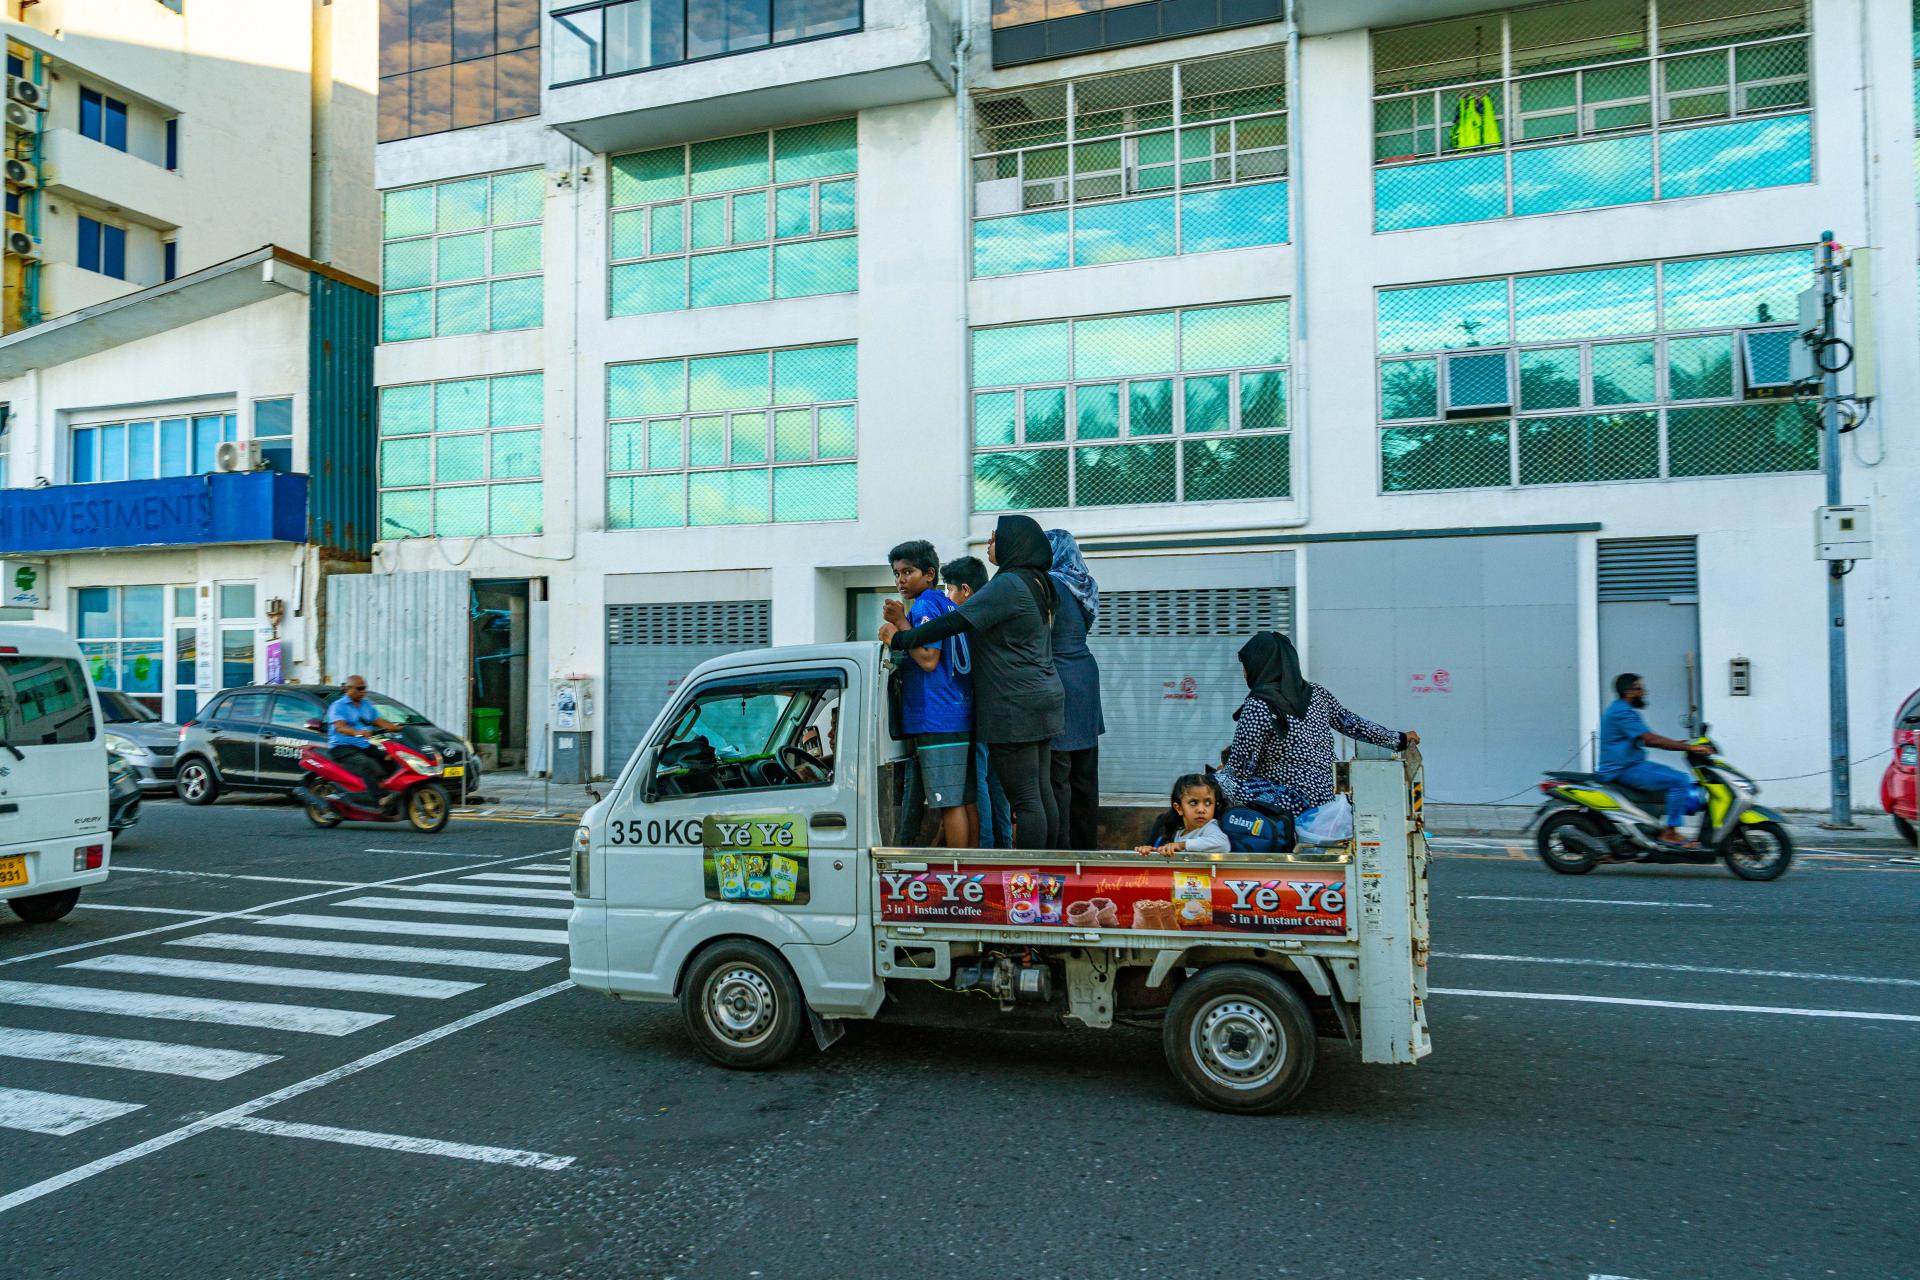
648	791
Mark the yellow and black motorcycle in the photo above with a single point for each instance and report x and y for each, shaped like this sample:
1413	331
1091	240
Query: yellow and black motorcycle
1586	821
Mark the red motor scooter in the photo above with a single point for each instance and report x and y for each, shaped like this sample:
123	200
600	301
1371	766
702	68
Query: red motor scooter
334	793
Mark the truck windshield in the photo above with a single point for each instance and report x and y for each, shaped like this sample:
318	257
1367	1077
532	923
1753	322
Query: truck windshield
44	702
736	725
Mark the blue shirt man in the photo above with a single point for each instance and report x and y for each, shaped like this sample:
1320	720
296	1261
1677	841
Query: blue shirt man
1624	739
346	714
351	720
939	700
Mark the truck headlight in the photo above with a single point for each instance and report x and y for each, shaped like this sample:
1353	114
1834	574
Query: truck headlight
582	852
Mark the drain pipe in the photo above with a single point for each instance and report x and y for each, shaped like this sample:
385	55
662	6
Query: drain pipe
962	116
1297	414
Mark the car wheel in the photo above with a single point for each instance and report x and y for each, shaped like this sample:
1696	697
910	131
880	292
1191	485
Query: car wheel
742	1006
196	783
1239	1038
1906	830
44	908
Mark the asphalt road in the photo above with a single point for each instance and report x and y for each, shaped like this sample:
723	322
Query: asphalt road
1661	1073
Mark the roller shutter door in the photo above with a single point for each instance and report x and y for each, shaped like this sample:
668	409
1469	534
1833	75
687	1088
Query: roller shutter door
652	647
1649	596
1170	679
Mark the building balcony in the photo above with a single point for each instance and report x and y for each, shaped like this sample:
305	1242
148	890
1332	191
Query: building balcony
111	180
180	511
626	74
65	288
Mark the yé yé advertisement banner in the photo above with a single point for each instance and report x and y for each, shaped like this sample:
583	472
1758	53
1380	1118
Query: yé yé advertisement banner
756	858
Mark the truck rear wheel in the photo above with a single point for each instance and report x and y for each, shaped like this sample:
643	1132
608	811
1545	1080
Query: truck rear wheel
742	1006
44	908
1240	1039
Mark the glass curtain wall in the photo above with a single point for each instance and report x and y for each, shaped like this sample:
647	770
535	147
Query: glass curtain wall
455	64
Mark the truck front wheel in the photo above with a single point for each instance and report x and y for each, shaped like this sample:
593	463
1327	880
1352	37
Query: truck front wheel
742	1006
1240	1039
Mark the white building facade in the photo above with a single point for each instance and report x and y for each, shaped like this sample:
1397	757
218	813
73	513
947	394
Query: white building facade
186	372
1458	350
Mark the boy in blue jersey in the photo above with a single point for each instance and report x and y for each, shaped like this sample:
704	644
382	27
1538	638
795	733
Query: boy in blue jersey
936	710
963	577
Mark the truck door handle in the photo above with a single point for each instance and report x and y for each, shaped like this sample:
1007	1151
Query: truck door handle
828	822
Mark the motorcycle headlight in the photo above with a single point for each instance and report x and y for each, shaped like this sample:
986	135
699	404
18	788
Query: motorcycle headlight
124	745
417	762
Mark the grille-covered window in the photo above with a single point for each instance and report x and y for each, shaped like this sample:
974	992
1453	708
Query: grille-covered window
461	458
461	257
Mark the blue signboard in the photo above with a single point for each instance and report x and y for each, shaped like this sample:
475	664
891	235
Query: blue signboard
180	511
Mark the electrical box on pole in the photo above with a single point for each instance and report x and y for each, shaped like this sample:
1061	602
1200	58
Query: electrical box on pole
1843	532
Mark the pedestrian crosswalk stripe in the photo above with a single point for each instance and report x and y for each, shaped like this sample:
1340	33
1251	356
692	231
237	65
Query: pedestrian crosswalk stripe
508	877
156	1056
543	866
437	906
507	961
145	1004
485	890
58	1114
418	928
401	1142
273	975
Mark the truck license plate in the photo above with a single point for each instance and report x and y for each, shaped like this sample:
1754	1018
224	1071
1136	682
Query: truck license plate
454	771
13	872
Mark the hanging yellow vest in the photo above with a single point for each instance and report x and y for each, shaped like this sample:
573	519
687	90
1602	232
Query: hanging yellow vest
1474	123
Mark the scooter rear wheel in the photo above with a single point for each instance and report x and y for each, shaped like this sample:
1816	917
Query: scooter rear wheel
428	807
1555	850
322	814
1759	851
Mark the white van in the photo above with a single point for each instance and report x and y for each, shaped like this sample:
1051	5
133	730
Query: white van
53	774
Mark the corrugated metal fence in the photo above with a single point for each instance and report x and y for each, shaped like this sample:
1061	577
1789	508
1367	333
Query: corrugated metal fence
408	634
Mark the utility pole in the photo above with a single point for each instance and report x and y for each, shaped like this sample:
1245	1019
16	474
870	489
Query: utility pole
1841	814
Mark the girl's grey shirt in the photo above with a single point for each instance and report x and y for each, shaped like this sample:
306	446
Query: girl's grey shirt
1016	691
1079	676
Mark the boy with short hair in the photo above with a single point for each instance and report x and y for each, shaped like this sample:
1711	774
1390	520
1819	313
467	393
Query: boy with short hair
936	709
963	577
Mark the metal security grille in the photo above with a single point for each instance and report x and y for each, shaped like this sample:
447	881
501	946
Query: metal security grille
1170	677
1649	568
652	647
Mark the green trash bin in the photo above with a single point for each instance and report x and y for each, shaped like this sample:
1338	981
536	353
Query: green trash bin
486	724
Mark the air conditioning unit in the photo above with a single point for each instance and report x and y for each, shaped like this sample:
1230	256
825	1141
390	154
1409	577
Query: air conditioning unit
27	93
21	116
238	455
996	196
21	173
22	245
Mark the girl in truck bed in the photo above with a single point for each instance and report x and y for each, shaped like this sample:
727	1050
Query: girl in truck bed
1189	826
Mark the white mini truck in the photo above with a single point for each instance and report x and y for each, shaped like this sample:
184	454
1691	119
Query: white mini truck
743	866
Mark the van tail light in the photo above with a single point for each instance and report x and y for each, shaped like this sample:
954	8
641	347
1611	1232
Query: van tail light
90	857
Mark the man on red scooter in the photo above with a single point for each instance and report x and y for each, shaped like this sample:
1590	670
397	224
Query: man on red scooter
351	721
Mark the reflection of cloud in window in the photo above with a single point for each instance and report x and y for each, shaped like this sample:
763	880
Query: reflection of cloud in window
1777	153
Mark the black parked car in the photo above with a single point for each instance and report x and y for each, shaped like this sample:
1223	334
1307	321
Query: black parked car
250	739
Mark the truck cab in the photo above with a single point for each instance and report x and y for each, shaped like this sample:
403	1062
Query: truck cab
54	839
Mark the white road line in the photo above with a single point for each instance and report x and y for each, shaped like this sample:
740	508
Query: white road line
1588	902
61	1181
1686	968
486	890
57	1114
400	1142
156	1056
273	975
507	877
1701	1006
232	1013
419	928
151	911
430	853
228	875
545	866
436	906
507	961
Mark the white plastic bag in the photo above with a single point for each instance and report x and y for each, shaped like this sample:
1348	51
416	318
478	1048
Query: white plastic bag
1331	823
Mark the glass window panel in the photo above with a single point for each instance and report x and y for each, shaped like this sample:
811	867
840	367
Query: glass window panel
1583	175
230	426
993	418
175	446
183	602
626	446
461	405
461	257
1097	412
709	223
1444	317
272	418
1452	455
728	164
206	443
517	304
1046	414
727	497
1207	403
236	600
1233	337
96	608
1150	408
793	211
236	662
1237	467
142	666
1550	378
1622	373
460	206
1029	242
143	611
460	513
113	452
810	375
140	450
403	410
1233	217
750	217
1584	304
406	264
1263	400
1746	155
836	206
514	508
404	462
646	502
460	308
1742	439
837	435
663	445
1111	475
1115	346
517	197
722	279
814	150
668	228
1586	448
1123	231
728	382
515	454
1700	368
792	435
515	249
101	664
1020	480
815	493
1767	355
459	458
749	432
517	400
406	213
707	441
404	316
85	463
646	389
1760	288
1020	353
808	268
1478	381
644	288
406	514
649	175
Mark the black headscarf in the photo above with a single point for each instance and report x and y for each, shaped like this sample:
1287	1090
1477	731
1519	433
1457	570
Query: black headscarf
1272	668
1021	548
